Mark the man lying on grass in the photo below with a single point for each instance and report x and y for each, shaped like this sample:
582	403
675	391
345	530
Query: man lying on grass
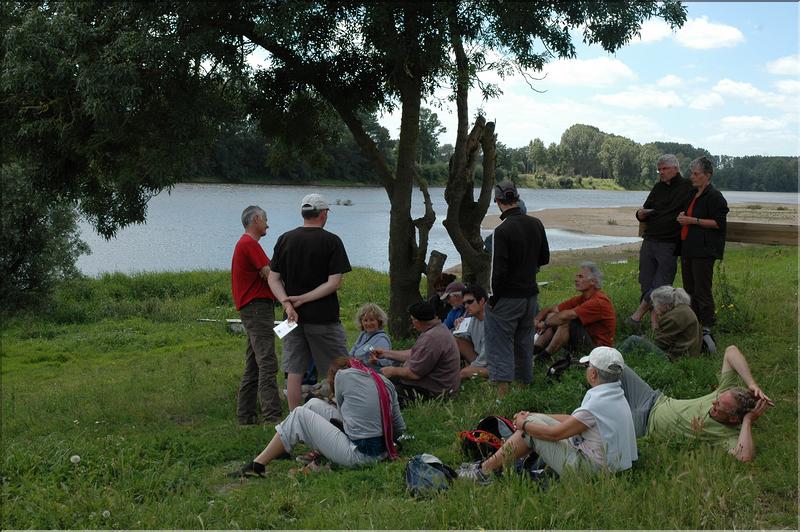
725	416
597	437
358	430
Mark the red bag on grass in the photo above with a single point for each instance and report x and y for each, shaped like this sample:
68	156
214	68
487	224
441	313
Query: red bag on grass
486	438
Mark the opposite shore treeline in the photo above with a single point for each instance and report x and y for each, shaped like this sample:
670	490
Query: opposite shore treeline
585	157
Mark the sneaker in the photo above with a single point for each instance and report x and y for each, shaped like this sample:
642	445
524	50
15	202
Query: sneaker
247	421
558	368
631	323
308	458
708	342
472	471
251	469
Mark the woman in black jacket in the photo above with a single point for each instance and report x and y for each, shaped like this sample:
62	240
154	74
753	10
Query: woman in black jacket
702	242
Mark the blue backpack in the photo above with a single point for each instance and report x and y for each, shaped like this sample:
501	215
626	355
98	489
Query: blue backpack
425	474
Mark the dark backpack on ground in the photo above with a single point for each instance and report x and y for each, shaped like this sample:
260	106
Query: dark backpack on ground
534	468
487	437
425	474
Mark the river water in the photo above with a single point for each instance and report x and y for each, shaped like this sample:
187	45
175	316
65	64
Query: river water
196	226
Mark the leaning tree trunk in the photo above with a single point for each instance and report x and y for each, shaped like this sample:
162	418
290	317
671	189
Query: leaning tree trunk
464	213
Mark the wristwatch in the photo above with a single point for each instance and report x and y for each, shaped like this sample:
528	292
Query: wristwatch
697	221
523	425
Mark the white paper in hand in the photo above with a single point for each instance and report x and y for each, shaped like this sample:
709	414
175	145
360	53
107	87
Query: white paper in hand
463	326
284	328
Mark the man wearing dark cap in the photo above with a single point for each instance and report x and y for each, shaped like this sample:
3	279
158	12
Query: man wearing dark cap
454	296
307	269
519	249
430	368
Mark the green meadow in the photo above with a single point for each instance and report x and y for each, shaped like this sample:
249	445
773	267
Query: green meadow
118	371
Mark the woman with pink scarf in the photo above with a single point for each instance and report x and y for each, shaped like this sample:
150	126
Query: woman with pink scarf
358	429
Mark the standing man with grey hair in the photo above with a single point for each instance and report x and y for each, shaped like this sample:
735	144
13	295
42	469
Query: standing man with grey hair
255	302
585	321
520	248
658	261
307	269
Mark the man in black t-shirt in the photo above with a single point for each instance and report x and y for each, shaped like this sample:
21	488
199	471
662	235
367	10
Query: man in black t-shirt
307	267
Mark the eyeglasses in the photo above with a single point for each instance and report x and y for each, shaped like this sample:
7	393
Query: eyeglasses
469	301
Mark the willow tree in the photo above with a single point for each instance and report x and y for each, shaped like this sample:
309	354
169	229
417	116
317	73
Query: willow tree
120	95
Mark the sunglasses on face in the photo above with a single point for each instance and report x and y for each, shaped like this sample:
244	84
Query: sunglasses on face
469	301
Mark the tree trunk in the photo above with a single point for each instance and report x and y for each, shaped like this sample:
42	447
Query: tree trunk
464	214
406	255
434	269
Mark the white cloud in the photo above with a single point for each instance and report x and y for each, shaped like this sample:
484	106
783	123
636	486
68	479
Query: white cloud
749	135
700	33
751	123
598	72
785	66
706	101
745	90
670	80
654	30
737	88
641	98
788	86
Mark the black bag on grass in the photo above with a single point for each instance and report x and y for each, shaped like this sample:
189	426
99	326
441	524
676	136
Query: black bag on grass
425	474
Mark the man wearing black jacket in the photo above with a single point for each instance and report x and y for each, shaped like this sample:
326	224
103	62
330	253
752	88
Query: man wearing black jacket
658	260
519	249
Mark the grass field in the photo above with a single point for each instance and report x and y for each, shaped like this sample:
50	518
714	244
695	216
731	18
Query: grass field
120	372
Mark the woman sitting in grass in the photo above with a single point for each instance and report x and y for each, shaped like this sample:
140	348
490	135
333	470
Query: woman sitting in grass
359	430
370	320
676	330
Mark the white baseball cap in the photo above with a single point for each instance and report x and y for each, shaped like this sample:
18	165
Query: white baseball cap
313	202
605	359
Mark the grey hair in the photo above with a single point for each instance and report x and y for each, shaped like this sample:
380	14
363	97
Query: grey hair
608	376
250	212
703	164
597	275
668	160
373	310
667	296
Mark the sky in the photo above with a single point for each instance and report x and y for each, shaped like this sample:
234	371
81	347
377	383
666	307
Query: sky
727	81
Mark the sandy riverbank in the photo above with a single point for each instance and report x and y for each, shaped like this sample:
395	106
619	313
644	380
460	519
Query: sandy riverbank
620	221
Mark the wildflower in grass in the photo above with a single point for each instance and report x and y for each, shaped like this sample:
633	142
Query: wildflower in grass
75	459
106	514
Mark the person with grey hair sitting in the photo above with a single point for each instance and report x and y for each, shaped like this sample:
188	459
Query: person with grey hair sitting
658	253
580	323
598	437
676	331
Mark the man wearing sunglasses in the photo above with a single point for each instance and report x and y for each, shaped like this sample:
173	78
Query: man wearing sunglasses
724	417
471	343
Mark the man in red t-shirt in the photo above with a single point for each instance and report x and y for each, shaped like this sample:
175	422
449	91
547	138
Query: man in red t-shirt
581	323
255	302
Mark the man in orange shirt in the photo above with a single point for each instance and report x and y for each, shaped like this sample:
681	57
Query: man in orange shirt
581	323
